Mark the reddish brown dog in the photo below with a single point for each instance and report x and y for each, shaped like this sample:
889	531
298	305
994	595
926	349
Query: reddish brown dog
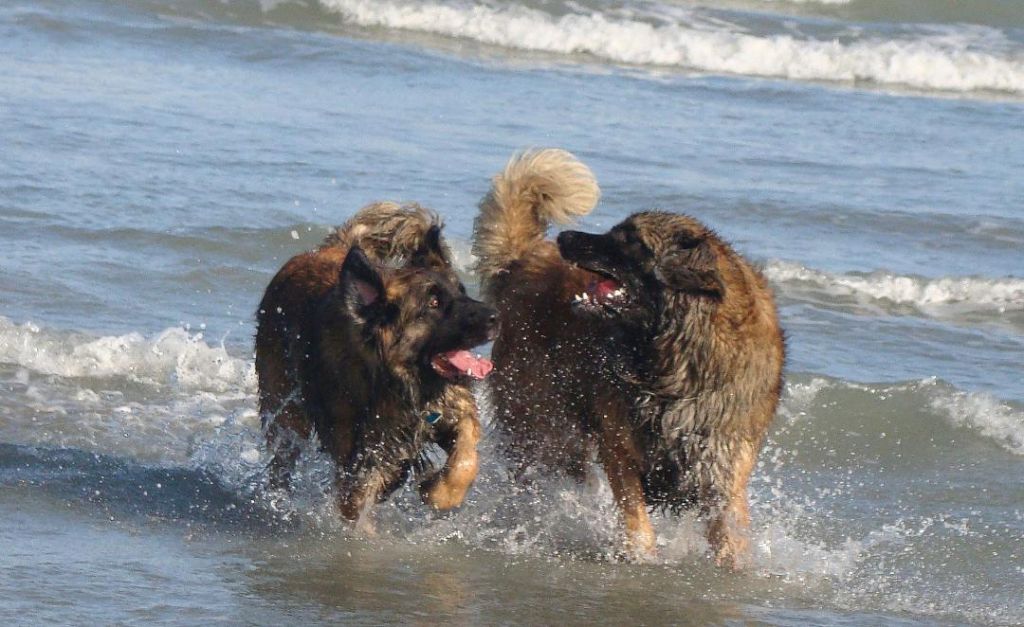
366	341
655	344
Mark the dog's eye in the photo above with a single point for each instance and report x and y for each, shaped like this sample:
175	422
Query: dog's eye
434	302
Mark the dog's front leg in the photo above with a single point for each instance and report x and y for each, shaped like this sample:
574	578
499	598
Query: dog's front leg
621	460
356	496
448	488
285	429
728	527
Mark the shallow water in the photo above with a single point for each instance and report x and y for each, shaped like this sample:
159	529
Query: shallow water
161	158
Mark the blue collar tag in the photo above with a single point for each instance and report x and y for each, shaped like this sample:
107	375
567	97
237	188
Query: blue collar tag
432	417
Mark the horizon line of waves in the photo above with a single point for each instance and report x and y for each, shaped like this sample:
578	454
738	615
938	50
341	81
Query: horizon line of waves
947	59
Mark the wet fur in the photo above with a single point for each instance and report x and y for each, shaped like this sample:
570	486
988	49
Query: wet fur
675	395
323	368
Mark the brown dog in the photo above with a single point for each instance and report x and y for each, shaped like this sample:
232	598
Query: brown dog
655	344
365	341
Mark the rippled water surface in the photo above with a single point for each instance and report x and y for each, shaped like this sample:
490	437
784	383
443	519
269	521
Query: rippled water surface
161	158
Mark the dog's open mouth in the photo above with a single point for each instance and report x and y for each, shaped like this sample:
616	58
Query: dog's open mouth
461	363
601	295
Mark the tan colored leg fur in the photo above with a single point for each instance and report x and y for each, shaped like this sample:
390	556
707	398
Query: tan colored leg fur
621	459
449	487
728	529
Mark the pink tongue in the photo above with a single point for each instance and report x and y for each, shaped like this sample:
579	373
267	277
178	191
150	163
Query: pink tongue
606	287
467	363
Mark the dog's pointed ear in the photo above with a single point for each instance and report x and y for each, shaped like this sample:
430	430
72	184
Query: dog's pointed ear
690	268
431	252
361	285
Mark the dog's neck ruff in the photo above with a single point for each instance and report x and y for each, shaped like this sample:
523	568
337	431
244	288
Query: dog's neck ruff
677	341
644	373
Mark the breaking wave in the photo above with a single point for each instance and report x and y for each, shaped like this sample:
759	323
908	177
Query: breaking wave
940	297
175	357
153	398
929	405
958	59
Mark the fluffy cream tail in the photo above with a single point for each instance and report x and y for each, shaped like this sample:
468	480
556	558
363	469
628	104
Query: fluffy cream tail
535	188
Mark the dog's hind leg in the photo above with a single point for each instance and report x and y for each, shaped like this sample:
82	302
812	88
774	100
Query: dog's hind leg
620	457
448	488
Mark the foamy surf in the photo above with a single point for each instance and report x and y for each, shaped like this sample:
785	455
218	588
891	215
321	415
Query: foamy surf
175	384
153	398
158	424
174	357
941	297
926	406
983	414
938	58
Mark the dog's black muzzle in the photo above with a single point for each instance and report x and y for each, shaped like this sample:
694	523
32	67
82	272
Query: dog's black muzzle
593	252
479	320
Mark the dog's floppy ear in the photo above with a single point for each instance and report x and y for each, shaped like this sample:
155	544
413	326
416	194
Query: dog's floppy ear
431	252
690	267
361	286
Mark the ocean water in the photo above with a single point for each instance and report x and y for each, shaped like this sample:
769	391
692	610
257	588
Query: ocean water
159	159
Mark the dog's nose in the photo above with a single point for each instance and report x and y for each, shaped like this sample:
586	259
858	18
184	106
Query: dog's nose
573	242
481	313
493	327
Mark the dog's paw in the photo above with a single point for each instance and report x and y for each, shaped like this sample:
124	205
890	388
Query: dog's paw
640	547
438	494
732	554
364	526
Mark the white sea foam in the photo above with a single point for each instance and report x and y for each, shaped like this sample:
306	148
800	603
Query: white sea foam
999	295
172	357
952	59
81	391
983	414
979	412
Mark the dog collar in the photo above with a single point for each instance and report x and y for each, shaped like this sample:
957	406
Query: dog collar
431	416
